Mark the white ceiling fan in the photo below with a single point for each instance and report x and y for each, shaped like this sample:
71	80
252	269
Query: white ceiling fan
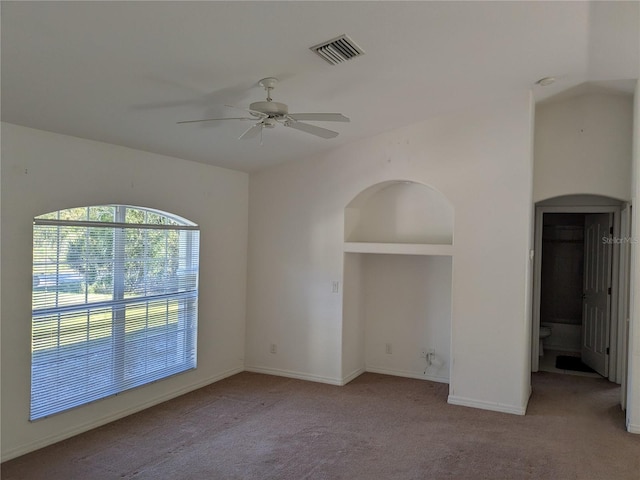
267	114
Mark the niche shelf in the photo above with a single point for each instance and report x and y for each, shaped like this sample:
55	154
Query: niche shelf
399	217
398	248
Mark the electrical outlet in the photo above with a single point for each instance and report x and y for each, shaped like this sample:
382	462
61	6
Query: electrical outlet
387	348
427	352
273	348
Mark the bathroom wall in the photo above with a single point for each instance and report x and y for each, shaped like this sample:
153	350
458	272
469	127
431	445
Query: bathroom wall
562	268
564	337
562	280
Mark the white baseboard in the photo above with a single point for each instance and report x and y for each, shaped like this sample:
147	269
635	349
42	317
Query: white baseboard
495	407
407	374
43	442
341	382
632	428
353	375
293	374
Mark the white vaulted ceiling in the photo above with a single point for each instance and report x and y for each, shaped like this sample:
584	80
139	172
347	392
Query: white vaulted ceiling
126	72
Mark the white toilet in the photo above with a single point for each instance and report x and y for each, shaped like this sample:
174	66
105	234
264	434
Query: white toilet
544	333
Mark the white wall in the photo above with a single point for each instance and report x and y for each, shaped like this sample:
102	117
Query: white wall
353	307
407	301
633	385
582	146
481	161
43	172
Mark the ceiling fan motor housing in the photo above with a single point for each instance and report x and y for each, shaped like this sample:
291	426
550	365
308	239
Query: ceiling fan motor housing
270	108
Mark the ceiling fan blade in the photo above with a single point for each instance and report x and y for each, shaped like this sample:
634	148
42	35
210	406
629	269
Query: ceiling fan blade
320	117
251	131
312	129
215	119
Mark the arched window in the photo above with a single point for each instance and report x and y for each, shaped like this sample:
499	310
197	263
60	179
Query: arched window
114	304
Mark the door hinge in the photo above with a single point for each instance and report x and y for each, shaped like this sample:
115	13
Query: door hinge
611	230
609	290
607	350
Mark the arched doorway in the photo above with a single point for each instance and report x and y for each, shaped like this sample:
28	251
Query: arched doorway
577	237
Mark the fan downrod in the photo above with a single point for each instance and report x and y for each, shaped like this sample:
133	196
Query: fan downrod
268	84
269	107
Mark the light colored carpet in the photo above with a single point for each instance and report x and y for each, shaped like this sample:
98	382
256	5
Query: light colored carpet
253	426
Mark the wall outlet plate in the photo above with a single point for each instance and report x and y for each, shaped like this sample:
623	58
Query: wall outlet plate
425	352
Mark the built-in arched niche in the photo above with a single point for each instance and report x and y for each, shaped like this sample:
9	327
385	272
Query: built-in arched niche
397	282
399	212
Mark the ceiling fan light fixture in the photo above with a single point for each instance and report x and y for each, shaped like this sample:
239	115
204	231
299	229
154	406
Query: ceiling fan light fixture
269	108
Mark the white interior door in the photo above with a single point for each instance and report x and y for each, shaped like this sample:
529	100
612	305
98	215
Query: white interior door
596	308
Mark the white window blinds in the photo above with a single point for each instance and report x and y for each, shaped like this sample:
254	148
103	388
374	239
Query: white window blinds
114	305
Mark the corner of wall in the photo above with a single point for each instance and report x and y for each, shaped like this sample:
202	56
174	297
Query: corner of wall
633	370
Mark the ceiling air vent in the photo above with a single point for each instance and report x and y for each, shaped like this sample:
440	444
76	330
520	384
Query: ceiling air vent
338	50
